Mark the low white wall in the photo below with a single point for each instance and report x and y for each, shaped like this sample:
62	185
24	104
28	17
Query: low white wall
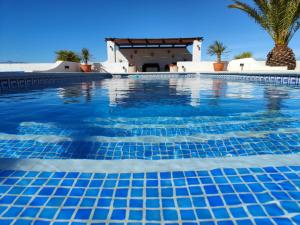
203	66
58	66
195	66
63	67
114	67
298	66
251	64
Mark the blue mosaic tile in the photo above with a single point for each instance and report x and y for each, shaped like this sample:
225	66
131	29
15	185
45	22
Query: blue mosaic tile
256	210
65	214
30	212
118	214
246	200
136	215
100	214
83	214
88	202
42	222
153	215
6	221
215	201
285	221
39	201
263	221
13	212
187	215
220	213
23	222
120	203
48	213
203	214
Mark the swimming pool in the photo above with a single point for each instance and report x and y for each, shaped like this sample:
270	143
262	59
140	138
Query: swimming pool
136	118
142	150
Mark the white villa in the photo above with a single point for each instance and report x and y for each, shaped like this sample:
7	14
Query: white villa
131	55
151	55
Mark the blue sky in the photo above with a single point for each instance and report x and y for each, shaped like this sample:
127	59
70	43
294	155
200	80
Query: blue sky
32	30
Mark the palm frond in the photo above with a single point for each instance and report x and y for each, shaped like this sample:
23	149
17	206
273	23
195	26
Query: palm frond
256	14
217	48
280	18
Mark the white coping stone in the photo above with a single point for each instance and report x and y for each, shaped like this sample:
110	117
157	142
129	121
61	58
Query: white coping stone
136	166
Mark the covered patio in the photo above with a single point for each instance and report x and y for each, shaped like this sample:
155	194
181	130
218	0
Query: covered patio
153	55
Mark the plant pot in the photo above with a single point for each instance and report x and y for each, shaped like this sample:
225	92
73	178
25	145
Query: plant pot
173	68
86	68
132	69
219	66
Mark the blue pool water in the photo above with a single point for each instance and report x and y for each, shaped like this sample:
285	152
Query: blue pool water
170	150
144	118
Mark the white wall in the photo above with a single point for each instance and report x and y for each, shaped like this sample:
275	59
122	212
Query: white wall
251	64
197	50
162	56
114	67
58	66
111	51
188	66
298	66
203	66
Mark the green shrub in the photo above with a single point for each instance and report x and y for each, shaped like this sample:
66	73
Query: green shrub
66	55
244	55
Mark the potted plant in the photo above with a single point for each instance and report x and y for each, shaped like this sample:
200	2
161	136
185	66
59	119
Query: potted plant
217	49
132	68
173	68
85	56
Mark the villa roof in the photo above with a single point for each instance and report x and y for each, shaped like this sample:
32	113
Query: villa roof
153	41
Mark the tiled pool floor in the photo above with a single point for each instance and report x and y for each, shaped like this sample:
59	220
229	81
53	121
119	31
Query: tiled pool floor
269	195
149	138
287	143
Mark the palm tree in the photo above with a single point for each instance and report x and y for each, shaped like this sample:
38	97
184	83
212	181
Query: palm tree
65	55
85	55
281	19
217	48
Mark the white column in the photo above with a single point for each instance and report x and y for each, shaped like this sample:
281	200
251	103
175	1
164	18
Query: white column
197	50
111	51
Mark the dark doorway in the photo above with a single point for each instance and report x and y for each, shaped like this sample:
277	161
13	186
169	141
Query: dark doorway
167	68
151	67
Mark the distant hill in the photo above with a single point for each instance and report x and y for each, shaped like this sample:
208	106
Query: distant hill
11	62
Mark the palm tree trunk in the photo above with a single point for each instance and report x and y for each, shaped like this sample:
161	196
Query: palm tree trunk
282	55
219	60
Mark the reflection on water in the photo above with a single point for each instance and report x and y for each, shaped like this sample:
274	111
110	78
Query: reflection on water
275	97
73	94
180	90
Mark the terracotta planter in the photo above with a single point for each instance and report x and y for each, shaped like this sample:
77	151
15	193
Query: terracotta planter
86	68
132	69
173	68
219	66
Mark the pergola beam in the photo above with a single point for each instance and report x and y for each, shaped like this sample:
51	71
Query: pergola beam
153	41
